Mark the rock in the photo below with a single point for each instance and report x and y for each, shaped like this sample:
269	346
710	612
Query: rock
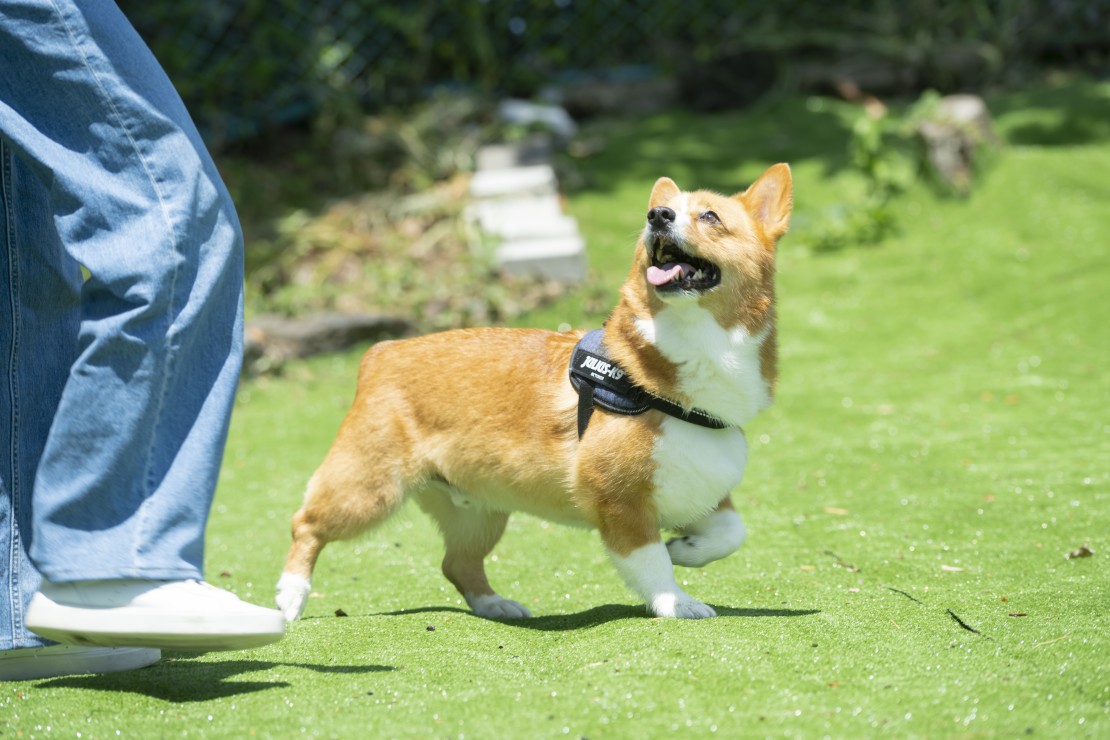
554	118
952	133
272	340
533	150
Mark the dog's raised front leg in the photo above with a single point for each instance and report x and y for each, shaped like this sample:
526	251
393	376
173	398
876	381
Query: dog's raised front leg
719	534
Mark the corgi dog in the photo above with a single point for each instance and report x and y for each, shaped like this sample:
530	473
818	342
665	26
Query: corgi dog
477	423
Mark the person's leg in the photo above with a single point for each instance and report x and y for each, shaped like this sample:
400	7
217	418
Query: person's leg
40	309
131	461
129	467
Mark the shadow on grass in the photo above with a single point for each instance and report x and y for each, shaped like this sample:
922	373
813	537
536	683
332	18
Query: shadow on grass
602	615
178	679
612	612
1077	112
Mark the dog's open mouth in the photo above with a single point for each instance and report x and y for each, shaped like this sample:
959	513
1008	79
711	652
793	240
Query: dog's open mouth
673	269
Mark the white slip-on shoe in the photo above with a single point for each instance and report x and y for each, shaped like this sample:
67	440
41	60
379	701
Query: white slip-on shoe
25	664
174	615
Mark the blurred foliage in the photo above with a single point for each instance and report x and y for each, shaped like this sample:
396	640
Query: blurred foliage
366	214
348	168
244	65
888	151
882	150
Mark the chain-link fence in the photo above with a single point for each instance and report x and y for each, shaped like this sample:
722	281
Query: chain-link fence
246	64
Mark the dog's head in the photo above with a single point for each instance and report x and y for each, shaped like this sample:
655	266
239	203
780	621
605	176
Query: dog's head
711	249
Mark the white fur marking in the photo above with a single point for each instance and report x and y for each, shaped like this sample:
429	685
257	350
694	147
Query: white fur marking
719	369
695	468
648	572
292	595
459	497
682	218
717	535
681	221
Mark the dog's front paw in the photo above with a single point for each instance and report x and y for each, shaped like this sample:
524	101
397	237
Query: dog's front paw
688	551
492	606
292	595
680	606
718	535
695	550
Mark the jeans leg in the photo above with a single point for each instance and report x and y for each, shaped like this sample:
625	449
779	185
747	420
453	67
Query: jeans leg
129	467
46	315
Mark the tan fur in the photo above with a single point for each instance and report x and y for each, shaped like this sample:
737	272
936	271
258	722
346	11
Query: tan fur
476	423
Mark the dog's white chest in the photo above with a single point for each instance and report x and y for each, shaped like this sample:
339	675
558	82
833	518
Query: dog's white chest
719	369
695	468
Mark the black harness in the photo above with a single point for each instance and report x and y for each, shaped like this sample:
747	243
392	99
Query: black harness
601	382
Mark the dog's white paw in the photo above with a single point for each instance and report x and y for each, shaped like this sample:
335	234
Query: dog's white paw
492	606
695	550
681	606
694	609
689	551
292	595
718	535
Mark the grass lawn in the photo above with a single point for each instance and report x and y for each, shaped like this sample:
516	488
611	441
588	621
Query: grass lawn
939	442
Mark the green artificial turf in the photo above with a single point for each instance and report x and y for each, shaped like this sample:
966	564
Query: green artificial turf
939	442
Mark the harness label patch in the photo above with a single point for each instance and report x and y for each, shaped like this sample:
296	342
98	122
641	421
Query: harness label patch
602	382
605	369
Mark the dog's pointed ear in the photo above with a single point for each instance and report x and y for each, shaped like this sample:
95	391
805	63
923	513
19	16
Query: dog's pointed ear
769	199
664	190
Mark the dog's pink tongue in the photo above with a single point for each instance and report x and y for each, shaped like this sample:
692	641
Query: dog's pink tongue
663	275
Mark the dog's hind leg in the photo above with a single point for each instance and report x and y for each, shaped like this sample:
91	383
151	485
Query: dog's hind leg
470	531
344	498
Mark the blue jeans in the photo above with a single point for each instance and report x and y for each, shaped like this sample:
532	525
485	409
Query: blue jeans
121	309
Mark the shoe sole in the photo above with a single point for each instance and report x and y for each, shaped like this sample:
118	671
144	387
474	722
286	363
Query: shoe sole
78	662
113	628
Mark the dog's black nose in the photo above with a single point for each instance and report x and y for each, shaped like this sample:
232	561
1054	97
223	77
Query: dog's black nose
660	216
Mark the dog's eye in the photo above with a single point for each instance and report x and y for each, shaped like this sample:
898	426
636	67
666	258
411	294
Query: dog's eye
709	217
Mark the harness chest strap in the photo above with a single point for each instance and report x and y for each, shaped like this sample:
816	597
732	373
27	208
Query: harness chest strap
600	381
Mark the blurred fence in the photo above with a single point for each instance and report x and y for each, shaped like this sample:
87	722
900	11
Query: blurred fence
242	65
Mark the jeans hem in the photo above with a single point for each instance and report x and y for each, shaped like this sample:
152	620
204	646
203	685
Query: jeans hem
153	574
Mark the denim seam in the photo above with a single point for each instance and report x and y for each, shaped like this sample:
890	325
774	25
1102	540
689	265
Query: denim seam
169	354
7	192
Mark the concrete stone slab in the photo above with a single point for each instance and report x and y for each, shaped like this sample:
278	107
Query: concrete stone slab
555	258
507	216
533	150
534	180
